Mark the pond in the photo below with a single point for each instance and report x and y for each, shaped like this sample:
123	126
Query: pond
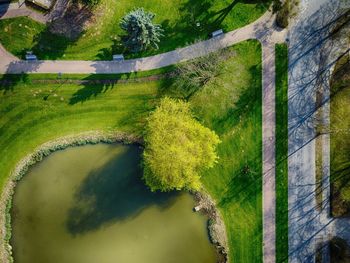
89	204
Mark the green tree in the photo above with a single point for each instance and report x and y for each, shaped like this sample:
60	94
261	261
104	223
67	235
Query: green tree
141	33
177	148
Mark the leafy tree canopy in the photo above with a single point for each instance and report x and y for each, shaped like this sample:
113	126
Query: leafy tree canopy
140	30
177	148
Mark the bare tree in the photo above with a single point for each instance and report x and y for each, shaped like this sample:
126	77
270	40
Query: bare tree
193	75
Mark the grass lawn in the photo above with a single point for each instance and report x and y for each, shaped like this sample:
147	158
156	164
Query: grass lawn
27	120
101	38
230	104
340	140
281	153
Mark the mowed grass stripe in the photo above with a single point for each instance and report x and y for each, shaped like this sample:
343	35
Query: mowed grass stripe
23	121
281	153
35	121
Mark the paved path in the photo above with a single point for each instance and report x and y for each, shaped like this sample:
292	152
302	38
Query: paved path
263	29
312	55
260	29
20	9
269	124
268	35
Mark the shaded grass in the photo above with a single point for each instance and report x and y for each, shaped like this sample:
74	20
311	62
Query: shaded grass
339	250
230	104
281	153
340	139
101	39
27	78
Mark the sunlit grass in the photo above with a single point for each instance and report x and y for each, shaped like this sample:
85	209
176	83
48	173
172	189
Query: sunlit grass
230	105
101	38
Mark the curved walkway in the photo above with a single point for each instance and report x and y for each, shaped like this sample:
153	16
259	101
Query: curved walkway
263	30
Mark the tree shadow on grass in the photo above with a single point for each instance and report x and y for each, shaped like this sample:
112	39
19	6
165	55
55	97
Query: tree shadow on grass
92	86
91	90
53	41
116	48
244	185
222	14
196	21
193	24
247	103
113	193
9	81
15	74
202	11
340	175
48	45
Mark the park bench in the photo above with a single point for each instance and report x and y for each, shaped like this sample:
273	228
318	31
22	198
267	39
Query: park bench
31	56
118	57
217	33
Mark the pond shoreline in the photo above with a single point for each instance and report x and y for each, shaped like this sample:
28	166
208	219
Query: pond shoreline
91	137
216	227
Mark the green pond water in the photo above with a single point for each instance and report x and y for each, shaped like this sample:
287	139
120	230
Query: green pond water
89	205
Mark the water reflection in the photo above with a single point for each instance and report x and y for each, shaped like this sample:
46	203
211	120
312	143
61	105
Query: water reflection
112	193
88	204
